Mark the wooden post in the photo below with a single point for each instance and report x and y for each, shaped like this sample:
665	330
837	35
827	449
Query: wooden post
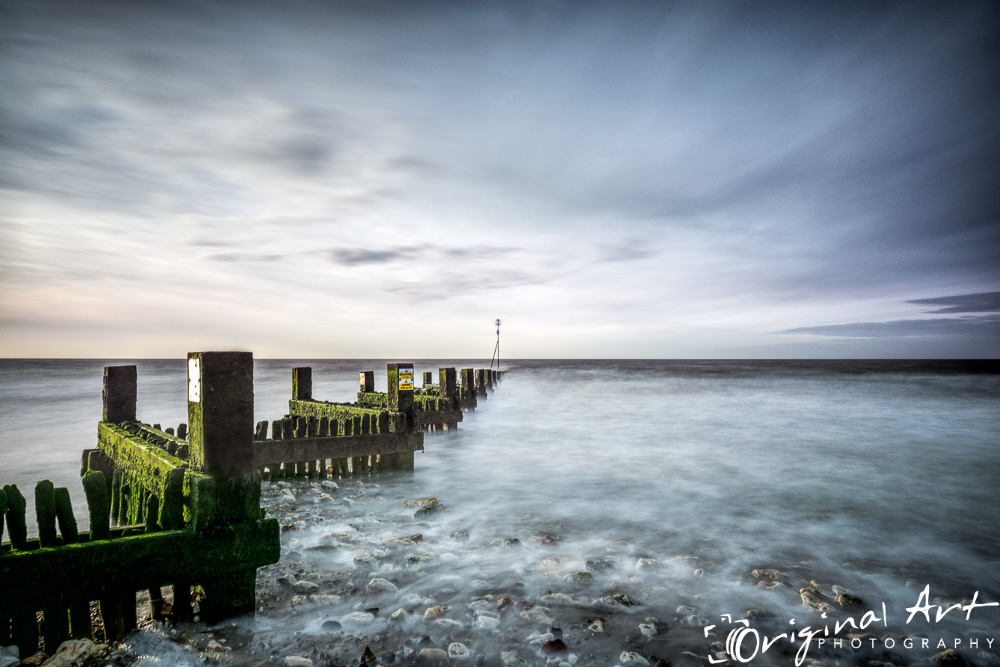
220	416
302	383
119	394
367	382
447	382
428	378
17	526
400	377
45	513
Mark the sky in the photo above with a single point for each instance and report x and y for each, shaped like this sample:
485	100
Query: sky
611	180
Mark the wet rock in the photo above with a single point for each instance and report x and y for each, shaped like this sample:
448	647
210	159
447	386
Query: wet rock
812	599
767	578
286	580
367	656
449	624
435	656
511	659
555	647
645	563
379	585
618	601
599	564
458	650
648	630
632	659
949	658
851	602
504	603
359	617
536	616
297	661
35	660
331	626
511	543
72	652
327	484
460	535
661	663
488	623
436	611
760	615
581	578
325	497
398	616
597	625
305	587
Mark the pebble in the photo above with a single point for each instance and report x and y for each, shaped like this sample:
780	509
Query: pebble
448	623
72	652
305	587
327	484
647	629
596	626
632	659
582	577
434	612
331	626
379	585
359	617
511	659
458	650
537	616
555	646
645	563
434	655
488	623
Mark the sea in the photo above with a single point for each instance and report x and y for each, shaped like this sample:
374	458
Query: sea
705	488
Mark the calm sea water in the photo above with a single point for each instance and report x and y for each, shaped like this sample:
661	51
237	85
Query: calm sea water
881	477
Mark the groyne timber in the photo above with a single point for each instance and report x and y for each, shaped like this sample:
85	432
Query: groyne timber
178	509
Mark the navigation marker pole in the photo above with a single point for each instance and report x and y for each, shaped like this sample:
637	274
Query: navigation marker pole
496	350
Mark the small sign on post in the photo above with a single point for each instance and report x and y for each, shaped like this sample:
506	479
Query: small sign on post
194	380
406	379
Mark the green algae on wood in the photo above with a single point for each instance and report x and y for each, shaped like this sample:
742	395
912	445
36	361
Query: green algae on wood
3	510
95	489
64	514
17	527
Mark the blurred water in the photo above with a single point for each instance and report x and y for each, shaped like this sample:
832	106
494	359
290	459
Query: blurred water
866	474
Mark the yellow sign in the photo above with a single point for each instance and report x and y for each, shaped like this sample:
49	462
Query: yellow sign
406	379
406	385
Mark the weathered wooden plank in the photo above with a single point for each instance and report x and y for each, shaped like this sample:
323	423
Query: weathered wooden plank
268	452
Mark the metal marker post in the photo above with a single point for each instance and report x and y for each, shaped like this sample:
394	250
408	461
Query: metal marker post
496	350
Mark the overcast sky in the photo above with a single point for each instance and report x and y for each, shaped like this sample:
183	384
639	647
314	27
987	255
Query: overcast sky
339	179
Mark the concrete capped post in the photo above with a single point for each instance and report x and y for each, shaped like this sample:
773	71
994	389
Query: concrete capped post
302	383
400	376
367	382
220	415
119	394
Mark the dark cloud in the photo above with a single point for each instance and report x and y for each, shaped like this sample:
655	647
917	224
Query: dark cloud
245	257
979	326
478	252
359	256
981	302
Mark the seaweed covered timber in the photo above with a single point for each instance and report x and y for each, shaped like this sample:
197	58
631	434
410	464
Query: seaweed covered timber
180	509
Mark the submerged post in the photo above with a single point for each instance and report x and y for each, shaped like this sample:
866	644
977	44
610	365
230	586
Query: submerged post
119	394
446	382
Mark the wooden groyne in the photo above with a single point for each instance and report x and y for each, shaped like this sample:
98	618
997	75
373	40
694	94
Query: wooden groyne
179	509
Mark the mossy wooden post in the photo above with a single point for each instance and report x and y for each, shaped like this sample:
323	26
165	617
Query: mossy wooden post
428	378
400	378
481	382
17	527
119	394
367	382
302	383
220	418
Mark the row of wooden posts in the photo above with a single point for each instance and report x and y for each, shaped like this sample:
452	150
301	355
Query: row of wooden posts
180	509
